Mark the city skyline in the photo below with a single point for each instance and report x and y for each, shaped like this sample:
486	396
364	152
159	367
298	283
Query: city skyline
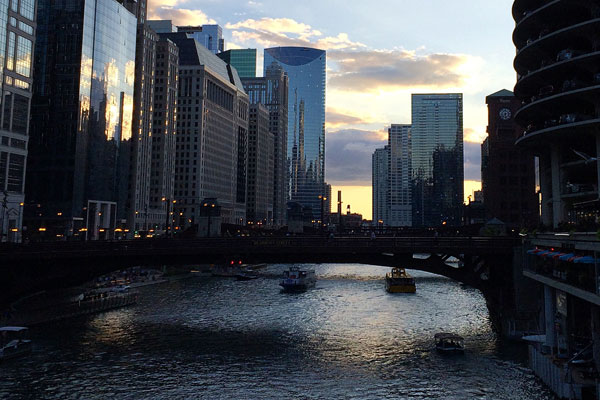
374	66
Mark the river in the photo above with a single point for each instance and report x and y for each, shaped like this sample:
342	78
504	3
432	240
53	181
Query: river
217	338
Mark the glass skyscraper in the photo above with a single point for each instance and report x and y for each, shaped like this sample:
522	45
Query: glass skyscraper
17	21
437	159
82	114
306	69
400	193
243	60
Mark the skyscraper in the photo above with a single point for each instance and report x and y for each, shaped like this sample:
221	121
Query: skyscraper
399	176
16	74
272	92
212	134
380	172
243	60
437	159
82	112
507	172
259	205
209	36
306	69
164	127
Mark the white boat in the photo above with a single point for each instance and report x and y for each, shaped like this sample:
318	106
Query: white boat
449	343
14	342
297	280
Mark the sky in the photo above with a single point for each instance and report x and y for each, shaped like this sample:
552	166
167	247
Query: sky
378	53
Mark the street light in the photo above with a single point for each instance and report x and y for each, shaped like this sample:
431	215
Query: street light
323	200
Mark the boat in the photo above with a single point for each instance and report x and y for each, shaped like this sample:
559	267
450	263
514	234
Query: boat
14	342
298	280
399	281
449	343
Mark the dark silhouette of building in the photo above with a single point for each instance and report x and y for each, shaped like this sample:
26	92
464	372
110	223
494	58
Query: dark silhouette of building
507	171
259	205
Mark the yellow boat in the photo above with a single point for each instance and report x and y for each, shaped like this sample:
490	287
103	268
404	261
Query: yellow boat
399	281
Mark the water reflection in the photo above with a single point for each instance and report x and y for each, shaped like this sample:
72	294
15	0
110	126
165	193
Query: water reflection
218	338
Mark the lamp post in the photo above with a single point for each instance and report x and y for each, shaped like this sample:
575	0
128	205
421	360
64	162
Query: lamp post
323	200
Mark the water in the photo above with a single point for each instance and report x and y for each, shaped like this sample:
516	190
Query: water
217	338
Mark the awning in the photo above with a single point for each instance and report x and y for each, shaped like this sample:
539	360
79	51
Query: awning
559	255
533	251
586	260
566	257
551	254
543	253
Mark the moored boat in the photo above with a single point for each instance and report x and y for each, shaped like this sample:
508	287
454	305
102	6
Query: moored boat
297	280
449	343
399	281
14	342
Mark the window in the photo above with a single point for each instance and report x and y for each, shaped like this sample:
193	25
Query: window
24	52
27	9
20	114
16	169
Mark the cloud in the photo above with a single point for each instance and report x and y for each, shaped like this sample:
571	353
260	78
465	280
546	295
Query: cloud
348	155
171	9
336	118
473	136
269	32
372	70
472	161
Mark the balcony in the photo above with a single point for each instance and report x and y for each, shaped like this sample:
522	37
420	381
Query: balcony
531	137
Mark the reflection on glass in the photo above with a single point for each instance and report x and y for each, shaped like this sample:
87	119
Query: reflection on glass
306	121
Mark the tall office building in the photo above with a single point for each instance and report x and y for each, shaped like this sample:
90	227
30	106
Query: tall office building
16	52
164	123
82	112
380	182
507	172
306	69
272	92
209	36
212	134
399	178
244	61
437	159
259	206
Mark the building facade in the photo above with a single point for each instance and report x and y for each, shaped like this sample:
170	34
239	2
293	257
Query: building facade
400	205
272	92
17	37
437	159
212	135
82	116
164	126
507	172
380	182
243	60
306	70
209	36
259	206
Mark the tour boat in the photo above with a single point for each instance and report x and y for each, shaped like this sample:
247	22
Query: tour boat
449	343
297	280
399	281
14	342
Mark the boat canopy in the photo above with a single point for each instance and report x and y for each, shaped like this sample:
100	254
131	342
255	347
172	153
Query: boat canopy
13	328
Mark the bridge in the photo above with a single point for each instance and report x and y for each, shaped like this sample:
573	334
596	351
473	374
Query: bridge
485	263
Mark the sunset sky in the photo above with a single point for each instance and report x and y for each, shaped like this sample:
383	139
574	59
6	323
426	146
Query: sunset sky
378	53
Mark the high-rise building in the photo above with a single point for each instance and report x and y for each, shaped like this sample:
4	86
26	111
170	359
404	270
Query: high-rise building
138	202
82	116
164	126
16	52
244	61
380	182
259	205
557	83
306	69
507	172
212	134
399	199
437	159
209	36
272	92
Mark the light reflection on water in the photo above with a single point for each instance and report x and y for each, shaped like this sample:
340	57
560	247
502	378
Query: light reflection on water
217	338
